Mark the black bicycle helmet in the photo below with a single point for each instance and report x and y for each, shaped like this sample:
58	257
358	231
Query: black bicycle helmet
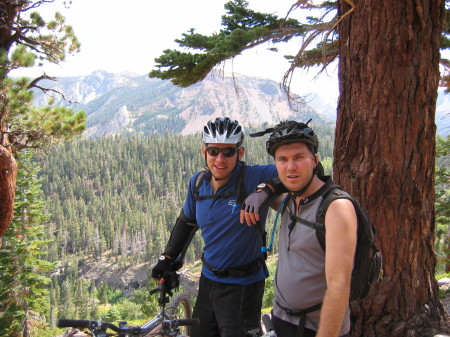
223	130
289	132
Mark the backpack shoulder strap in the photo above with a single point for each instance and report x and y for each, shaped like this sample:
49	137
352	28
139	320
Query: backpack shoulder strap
331	194
198	183
241	192
319	226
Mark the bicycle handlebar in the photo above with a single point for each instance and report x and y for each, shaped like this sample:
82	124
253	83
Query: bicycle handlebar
188	321
75	323
81	323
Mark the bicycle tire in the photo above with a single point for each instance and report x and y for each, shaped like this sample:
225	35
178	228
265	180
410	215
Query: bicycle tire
180	307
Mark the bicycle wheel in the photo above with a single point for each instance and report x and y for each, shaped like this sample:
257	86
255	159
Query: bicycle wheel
180	307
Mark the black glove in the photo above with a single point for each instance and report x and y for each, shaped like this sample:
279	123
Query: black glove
162	268
254	201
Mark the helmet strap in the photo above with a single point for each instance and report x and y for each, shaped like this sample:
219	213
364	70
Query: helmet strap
296	194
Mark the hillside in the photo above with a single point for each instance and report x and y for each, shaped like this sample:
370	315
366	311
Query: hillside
129	104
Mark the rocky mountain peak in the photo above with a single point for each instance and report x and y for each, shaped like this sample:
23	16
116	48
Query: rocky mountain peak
126	104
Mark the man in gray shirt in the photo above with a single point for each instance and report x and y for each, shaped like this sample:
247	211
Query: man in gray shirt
312	288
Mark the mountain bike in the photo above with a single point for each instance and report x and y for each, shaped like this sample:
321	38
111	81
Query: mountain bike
173	320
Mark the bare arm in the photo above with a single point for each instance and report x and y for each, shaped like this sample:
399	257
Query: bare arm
340	238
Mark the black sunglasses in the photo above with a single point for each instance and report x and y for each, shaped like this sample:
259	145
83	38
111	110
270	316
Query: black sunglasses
226	151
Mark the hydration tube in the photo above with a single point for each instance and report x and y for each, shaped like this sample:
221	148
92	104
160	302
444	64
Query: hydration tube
272	235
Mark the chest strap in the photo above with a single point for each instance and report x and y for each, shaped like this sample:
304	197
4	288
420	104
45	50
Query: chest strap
224	195
240	271
302	314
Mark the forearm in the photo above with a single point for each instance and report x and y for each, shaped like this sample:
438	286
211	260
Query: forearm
179	235
334	306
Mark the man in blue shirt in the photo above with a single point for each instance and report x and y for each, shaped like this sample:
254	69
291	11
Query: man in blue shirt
233	274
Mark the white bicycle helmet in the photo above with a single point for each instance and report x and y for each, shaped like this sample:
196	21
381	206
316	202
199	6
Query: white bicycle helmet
223	130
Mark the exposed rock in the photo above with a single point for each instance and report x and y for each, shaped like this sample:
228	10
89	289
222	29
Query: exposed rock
128	277
444	283
118	104
72	332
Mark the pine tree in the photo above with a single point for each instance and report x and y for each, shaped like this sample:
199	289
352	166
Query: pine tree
26	39
23	269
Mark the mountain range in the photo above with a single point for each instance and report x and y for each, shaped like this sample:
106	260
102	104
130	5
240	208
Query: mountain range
131	104
127	103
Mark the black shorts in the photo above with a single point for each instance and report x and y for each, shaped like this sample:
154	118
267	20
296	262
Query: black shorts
227	310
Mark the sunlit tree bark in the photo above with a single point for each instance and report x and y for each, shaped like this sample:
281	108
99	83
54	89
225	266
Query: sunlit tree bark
385	149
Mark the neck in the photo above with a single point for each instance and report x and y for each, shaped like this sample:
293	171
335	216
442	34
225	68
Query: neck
215	184
315	185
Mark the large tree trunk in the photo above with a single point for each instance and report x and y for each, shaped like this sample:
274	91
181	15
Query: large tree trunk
384	153
8	173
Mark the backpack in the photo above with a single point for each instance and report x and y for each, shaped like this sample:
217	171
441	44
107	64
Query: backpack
239	191
367	269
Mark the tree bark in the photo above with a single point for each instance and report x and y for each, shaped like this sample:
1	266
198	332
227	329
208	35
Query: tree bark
384	154
8	174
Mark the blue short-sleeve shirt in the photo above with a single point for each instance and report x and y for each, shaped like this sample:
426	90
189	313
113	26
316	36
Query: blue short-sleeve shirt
227	242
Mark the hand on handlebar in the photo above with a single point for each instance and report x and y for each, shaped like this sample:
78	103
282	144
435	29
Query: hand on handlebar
161	269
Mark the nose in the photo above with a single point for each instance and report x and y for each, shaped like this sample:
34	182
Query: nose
220	157
290	165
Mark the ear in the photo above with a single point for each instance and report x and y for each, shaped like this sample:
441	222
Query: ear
204	150
241	152
316	159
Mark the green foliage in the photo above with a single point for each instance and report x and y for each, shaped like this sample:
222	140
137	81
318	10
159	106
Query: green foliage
148	303
27	41
244	29
102	294
114	296
269	286
112	315
46	41
134	187
442	203
23	271
130	311
39	127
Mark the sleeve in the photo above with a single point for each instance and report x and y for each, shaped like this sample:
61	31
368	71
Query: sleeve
189	203
179	236
185	223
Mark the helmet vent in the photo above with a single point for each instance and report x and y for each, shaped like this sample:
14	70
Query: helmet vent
223	130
